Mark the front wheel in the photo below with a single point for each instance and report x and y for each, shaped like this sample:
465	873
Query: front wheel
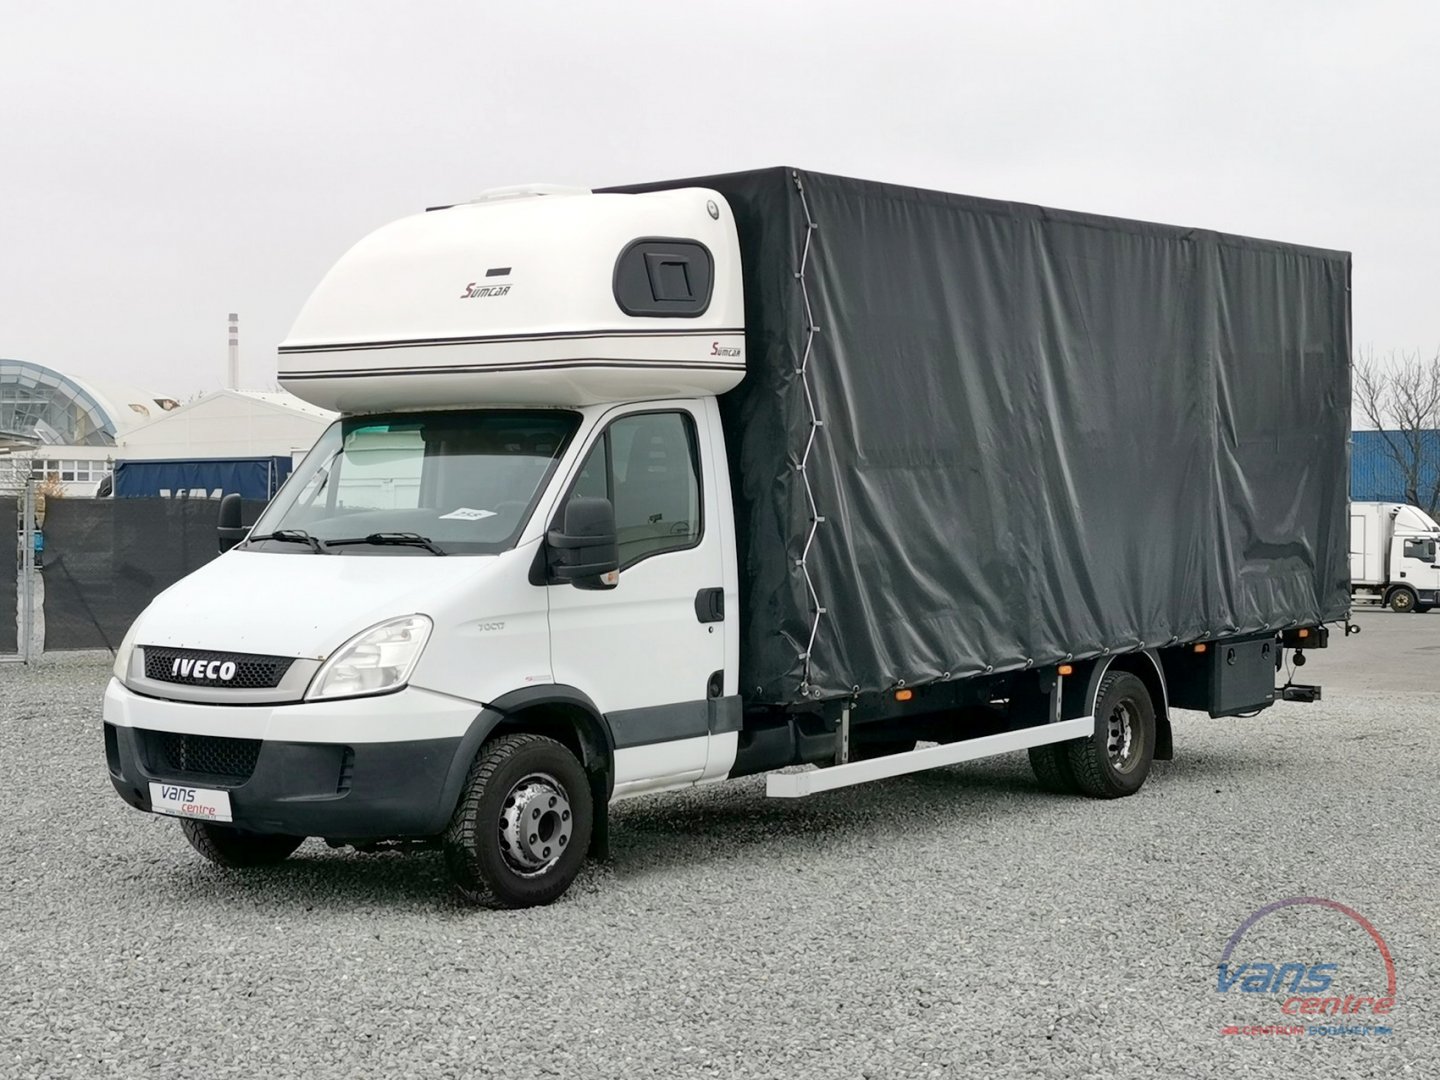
1115	760
519	834
228	846
1402	600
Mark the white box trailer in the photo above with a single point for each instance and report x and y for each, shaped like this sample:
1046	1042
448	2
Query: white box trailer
1392	556
636	491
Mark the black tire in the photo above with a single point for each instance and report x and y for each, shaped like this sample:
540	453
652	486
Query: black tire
489	856
236	849
1402	600
1421	609
1051	765
1115	761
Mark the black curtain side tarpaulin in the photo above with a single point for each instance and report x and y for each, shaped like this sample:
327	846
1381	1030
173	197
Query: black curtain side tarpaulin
1044	434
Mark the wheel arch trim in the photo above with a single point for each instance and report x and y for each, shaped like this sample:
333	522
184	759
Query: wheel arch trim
1164	742
535	697
1101	669
503	711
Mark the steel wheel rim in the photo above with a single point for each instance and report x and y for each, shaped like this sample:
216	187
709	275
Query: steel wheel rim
536	824
1122	728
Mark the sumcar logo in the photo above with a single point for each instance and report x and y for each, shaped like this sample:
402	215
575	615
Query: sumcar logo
203	670
1306	992
475	290
716	349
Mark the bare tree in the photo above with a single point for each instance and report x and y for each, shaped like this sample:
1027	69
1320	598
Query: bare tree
1401	397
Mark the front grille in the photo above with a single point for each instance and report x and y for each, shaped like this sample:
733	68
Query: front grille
170	752
246	672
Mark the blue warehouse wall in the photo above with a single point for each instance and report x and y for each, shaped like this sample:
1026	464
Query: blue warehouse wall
1374	476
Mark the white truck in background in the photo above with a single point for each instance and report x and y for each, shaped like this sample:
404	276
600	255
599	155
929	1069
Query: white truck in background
1392	556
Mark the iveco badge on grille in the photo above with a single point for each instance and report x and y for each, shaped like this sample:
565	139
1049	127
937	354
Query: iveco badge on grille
201	670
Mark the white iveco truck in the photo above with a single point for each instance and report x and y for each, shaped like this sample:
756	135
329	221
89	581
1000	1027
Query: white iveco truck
645	489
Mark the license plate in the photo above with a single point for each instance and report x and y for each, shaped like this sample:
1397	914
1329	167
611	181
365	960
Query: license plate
178	800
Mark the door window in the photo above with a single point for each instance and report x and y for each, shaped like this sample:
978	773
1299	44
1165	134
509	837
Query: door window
1424	550
645	464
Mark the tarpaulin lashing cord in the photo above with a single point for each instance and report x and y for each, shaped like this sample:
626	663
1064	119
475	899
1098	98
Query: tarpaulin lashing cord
816	519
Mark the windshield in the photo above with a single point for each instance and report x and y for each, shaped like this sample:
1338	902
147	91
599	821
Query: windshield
457	483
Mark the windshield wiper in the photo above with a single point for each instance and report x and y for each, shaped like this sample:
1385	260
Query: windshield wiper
397	539
290	536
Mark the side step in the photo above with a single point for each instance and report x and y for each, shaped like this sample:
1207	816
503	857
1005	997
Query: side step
796	785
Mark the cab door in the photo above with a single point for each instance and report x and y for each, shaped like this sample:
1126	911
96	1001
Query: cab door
1419	566
651	651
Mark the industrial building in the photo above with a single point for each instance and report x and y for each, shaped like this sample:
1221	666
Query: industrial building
55	425
1375	476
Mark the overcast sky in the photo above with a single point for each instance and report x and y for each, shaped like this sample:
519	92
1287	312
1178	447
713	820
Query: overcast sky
162	164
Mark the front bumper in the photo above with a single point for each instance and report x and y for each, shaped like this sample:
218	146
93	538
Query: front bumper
362	769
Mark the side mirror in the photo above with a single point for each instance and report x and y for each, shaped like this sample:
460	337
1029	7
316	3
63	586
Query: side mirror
230	530
586	551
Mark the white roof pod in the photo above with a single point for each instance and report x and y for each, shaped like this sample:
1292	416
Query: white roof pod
528	297
1411	519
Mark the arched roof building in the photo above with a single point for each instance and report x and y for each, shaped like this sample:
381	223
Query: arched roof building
39	405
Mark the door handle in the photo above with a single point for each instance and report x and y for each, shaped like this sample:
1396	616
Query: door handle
710	605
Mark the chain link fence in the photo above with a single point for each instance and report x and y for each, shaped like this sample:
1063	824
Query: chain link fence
18	580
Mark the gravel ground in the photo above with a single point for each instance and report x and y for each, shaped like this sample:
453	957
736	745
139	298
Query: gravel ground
954	923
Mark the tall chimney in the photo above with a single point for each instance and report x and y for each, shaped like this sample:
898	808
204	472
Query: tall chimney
232	381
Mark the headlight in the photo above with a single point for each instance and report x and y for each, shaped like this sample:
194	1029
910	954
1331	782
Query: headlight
374	660
123	654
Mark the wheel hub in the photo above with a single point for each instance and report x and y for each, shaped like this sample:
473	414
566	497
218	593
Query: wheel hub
1120	736
535	824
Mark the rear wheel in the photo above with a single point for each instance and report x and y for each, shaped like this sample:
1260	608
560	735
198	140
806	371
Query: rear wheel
519	835
1051	765
1115	760
1402	599
1421	609
228	846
